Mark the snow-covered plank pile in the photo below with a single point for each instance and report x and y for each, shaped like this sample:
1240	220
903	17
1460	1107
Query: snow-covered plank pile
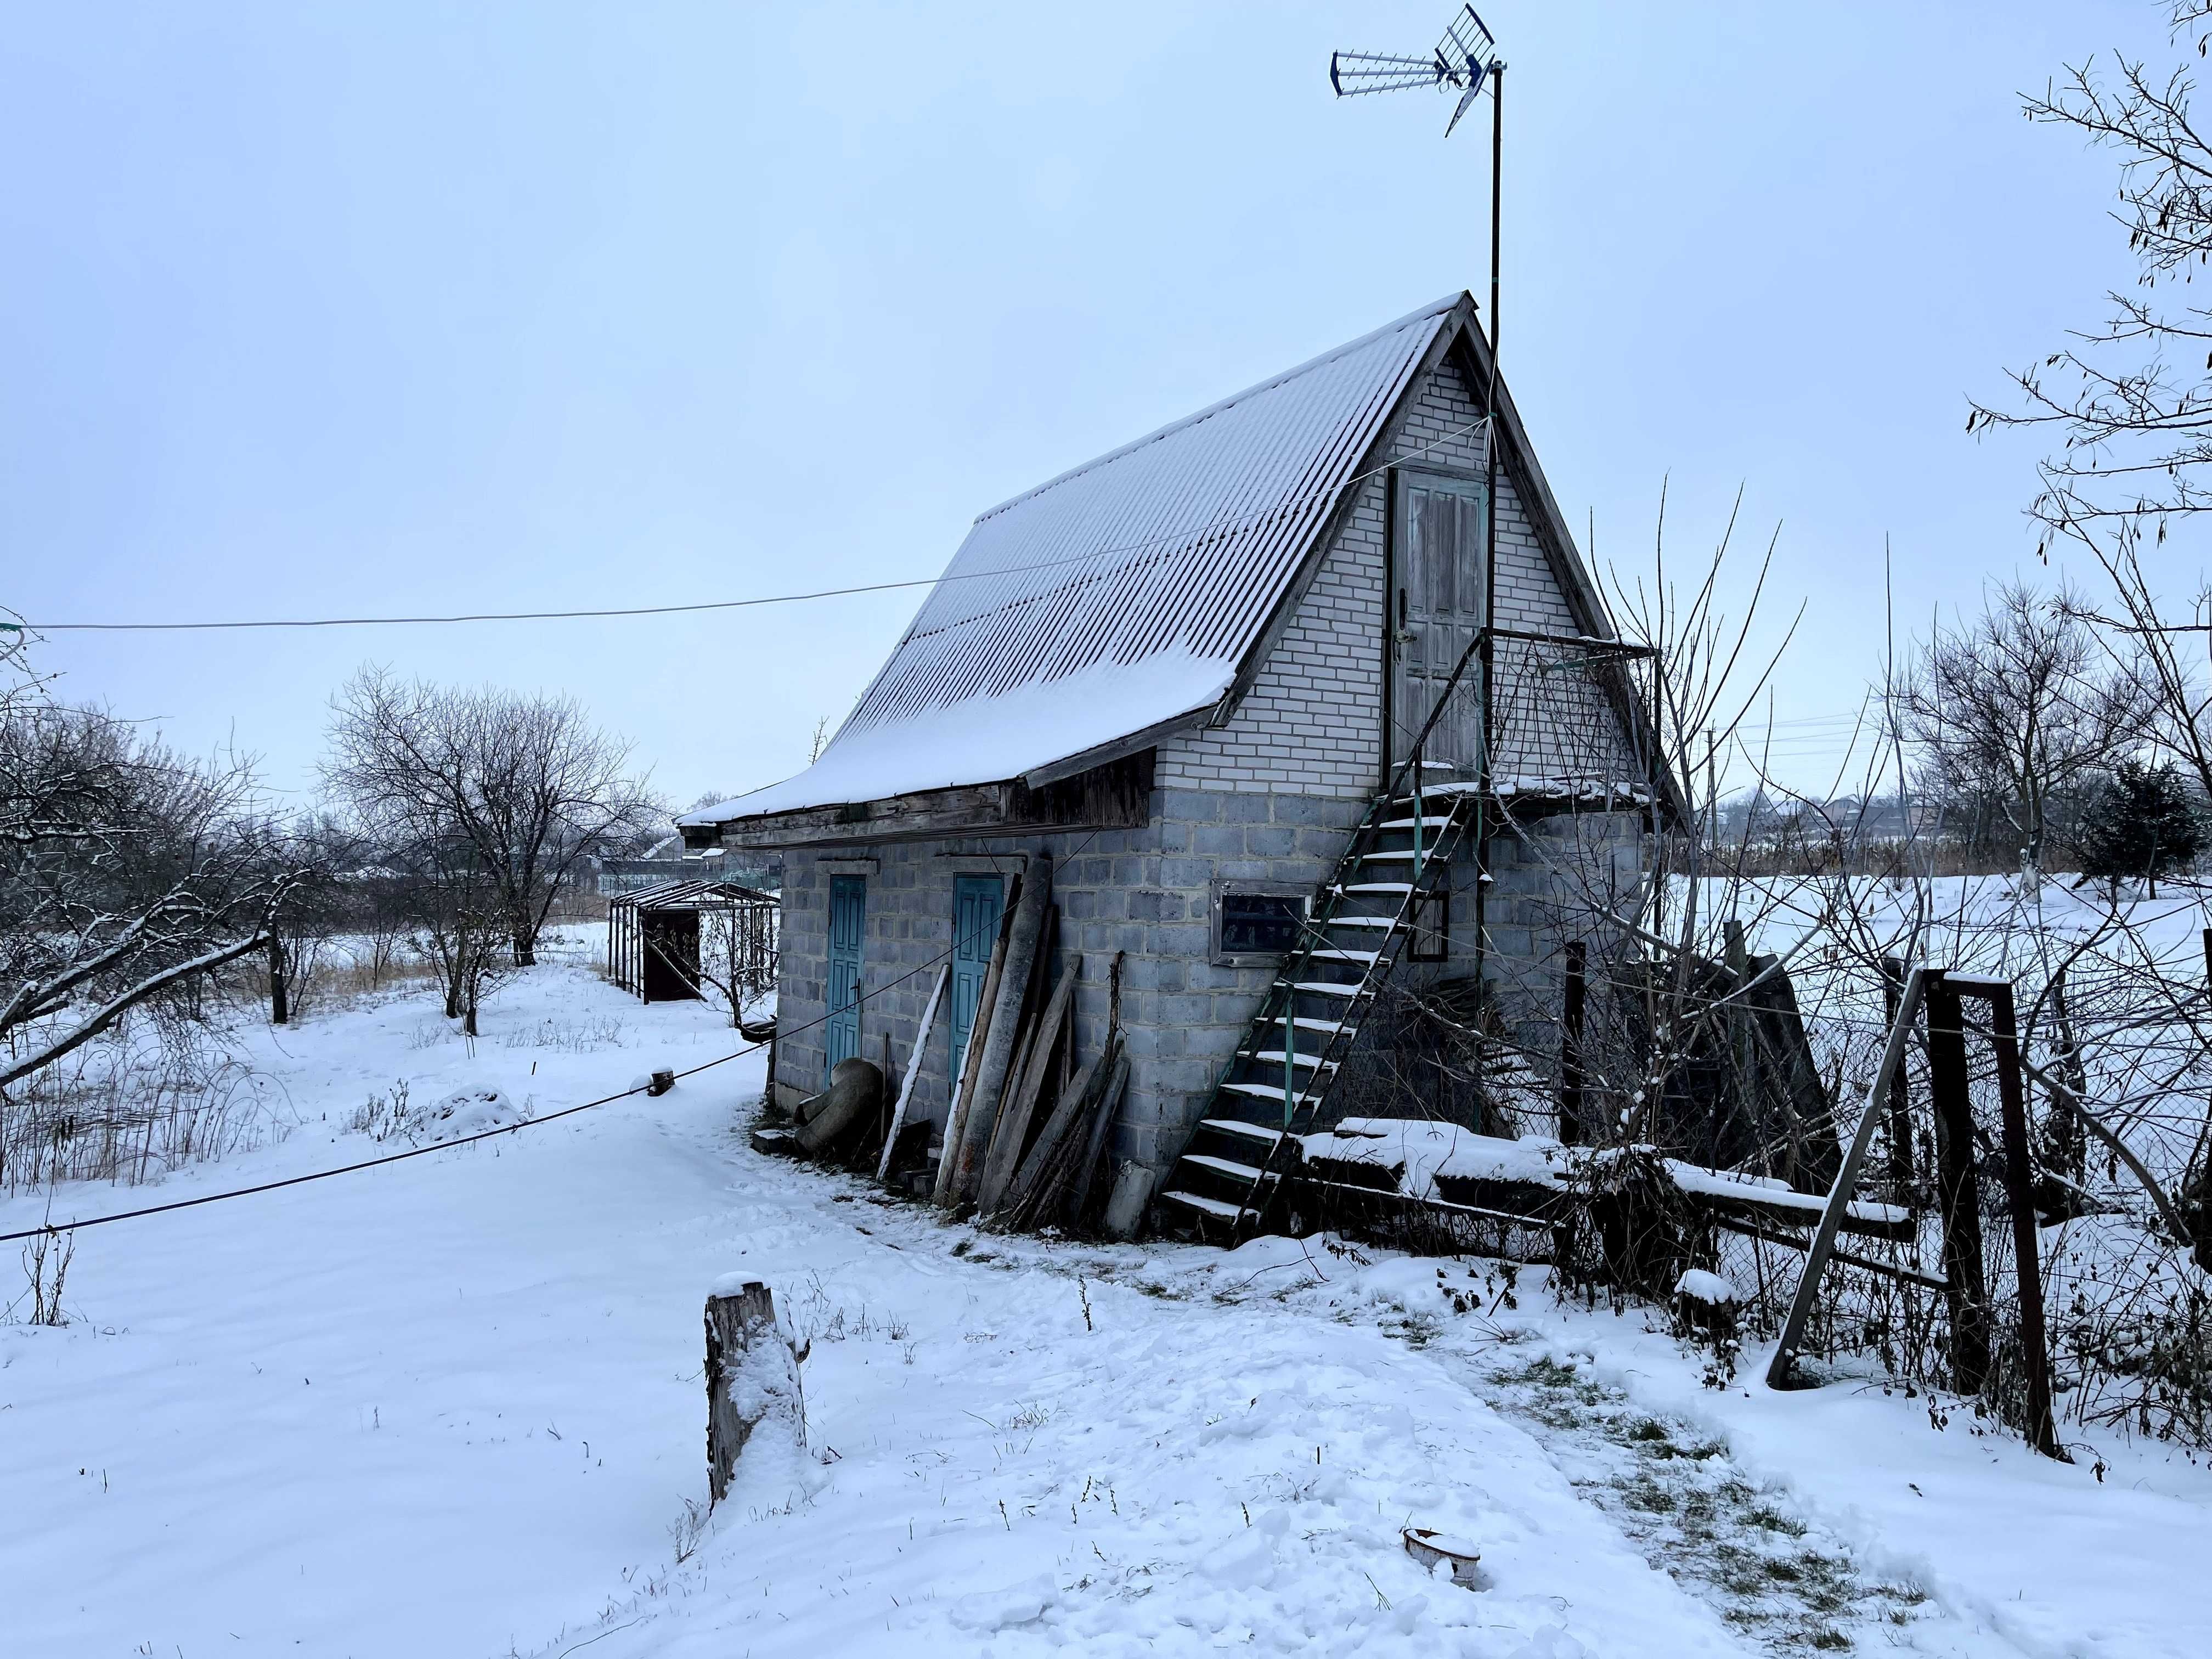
1431	1162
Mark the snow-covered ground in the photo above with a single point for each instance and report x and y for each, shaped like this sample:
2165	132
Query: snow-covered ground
454	1406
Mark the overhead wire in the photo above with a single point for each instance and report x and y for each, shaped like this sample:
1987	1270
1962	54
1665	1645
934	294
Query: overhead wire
1165	538
53	1228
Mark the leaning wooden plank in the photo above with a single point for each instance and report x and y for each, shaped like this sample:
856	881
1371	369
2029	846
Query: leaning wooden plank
1033	997
990	1085
1094	1141
964	1088
913	1069
1069	1110
1006	1145
1840	1195
1046	1195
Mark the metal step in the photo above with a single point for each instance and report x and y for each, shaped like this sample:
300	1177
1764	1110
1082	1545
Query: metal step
1330	1027
1229	1167
1402	857
1330	954
1361	921
1275	1057
1262	1091
1326	987
1378	887
1237	1126
1212	1206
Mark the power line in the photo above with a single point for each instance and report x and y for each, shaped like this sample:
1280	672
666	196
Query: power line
51	1228
1168	538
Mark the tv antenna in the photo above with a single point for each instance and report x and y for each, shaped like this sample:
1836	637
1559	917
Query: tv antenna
1465	61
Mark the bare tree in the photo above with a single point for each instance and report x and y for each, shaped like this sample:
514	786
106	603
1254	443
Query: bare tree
127	872
2020	708
527	783
2128	400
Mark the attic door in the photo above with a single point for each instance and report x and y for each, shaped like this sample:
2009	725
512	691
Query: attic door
1435	605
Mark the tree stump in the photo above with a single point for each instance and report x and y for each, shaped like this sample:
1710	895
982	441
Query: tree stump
752	1379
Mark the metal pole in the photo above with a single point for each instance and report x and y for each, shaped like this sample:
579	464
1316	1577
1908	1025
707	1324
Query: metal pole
1482	776
1840	1195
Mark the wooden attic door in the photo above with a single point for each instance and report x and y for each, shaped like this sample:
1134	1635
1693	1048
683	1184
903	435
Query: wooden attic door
1435	598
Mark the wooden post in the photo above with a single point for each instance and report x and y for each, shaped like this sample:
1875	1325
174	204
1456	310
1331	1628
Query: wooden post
1900	1104
991	1076
913	1070
752	1378
280	999
963	1086
2020	1190
1574	1078
1957	1189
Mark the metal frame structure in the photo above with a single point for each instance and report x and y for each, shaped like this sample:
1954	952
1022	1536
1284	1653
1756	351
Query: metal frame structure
627	941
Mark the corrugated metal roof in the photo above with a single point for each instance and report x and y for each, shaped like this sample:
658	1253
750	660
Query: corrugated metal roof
1120	595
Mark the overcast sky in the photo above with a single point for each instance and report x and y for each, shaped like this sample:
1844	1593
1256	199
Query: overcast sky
423	309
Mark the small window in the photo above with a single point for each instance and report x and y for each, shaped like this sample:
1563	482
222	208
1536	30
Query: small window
1260	924
1431	932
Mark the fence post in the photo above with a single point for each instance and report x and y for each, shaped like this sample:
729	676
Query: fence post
744	1342
1900	1106
2020	1190
1958	1190
1573	1077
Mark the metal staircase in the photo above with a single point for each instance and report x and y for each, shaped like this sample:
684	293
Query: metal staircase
1361	926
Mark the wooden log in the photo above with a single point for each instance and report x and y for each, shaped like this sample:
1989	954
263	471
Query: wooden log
913	1070
999	1050
752	1380
971	1057
1034	996
1007	1144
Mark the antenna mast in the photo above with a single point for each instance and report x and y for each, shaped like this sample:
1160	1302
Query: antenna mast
1465	61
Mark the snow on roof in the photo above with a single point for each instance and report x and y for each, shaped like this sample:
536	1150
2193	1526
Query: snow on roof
1120	596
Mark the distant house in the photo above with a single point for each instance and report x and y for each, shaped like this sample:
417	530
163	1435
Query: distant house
1192	672
667	860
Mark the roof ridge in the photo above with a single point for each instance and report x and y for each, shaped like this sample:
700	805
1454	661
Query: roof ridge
1435	308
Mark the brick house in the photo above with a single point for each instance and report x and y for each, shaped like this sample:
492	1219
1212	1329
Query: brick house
1188	674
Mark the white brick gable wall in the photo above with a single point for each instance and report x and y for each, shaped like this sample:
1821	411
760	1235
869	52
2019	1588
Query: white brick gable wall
1312	722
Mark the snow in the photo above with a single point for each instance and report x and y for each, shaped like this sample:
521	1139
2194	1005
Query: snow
1710	1288
991	739
454	1405
1119	596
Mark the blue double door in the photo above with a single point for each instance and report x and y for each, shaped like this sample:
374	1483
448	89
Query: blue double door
849	913
977	904
977	901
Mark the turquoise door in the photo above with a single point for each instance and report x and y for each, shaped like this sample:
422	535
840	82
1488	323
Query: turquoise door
976	902
849	905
